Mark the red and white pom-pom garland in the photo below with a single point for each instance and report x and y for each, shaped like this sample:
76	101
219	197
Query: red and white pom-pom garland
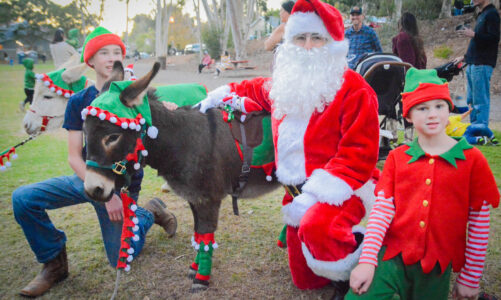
8	155
54	88
125	123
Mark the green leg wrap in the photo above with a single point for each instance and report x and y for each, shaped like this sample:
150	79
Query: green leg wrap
282	238
204	260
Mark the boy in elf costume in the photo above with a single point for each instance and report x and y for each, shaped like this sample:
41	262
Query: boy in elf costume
425	221
101	50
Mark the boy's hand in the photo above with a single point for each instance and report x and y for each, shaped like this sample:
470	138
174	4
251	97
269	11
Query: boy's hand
460	292
114	208
170	105
361	278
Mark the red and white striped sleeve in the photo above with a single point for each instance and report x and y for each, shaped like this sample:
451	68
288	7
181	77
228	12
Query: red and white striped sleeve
379	220
476	247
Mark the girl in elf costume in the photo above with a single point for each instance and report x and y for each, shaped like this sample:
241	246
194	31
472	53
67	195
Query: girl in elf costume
425	221
101	50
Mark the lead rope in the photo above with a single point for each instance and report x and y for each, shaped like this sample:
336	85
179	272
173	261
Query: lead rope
117	281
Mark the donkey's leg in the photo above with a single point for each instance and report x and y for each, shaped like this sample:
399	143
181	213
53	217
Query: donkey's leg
207	214
194	265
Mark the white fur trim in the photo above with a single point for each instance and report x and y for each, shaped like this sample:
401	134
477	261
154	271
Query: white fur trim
214	98
301	22
334	270
294	211
328	188
366	194
290	150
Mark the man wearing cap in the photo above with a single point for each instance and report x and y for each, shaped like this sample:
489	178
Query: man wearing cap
363	39
30	202
325	133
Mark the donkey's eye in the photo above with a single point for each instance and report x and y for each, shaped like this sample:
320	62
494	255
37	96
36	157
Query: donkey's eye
111	139
47	97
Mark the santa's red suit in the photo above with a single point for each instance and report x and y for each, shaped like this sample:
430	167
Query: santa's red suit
332	154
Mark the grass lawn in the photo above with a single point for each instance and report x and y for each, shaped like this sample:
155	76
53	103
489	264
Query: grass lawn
247	264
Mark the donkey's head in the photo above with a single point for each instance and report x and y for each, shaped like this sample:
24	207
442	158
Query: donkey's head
114	127
50	98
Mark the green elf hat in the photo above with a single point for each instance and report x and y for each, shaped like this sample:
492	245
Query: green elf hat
54	81
96	40
424	85
109	107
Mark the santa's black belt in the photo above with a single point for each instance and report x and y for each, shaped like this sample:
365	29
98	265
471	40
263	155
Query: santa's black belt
294	190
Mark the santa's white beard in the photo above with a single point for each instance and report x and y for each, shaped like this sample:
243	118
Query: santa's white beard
306	80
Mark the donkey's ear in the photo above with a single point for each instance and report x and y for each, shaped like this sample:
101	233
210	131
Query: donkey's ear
117	74
134	93
74	73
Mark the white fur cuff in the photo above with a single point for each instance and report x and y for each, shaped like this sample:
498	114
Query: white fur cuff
294	211
334	270
328	188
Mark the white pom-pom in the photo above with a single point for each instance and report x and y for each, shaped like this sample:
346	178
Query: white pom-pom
135	220
215	245
85	111
8	164
206	248
59	92
137	166
93	111
130	250
67	95
152	132
133	207
268	178
144	152
132	126
125	125
46	83
135	228
39	76
2	168
197	246
130	258
102	116
113	120
52	89
127	268
135	238
138	128
14	156
142	121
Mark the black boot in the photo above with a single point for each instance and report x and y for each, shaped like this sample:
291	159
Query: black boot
341	288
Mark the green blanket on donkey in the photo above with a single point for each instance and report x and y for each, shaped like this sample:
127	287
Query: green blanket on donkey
192	93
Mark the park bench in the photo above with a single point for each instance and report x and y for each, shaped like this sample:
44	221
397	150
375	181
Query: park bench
242	63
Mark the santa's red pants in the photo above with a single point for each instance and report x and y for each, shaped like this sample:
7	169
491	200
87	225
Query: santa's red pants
326	230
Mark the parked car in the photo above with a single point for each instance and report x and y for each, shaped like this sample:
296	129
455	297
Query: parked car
193	48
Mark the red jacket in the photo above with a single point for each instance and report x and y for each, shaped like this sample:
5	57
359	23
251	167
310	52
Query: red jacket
403	48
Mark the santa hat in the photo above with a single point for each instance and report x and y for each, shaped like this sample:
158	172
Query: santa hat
424	85
96	40
55	83
316	17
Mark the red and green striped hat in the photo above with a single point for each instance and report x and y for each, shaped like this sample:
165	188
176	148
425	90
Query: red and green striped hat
96	40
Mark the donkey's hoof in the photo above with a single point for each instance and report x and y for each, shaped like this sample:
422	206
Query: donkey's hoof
165	188
199	285
192	273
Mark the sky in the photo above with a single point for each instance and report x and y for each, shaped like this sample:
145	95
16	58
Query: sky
114	11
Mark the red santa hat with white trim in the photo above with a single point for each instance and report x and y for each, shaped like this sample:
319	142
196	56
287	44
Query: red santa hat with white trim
315	16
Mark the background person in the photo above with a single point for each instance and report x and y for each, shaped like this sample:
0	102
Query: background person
363	39
31	202
29	83
206	62
407	44
475	134
275	37
60	50
224	64
481	58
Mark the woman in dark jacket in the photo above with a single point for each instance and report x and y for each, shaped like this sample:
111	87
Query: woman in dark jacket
408	45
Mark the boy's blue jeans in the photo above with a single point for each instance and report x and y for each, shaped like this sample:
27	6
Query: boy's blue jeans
30	203
477	130
478	84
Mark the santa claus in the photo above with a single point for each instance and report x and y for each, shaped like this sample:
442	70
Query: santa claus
325	133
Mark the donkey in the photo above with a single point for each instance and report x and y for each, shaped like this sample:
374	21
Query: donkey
194	152
47	110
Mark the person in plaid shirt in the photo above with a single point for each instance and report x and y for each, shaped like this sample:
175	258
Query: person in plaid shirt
363	39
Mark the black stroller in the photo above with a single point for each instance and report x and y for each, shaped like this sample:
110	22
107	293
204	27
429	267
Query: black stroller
385	73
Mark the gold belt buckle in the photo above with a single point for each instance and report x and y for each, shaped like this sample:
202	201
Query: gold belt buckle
293	194
119	168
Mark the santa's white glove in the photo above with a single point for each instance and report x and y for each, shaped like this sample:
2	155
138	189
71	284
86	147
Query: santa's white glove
214	98
294	211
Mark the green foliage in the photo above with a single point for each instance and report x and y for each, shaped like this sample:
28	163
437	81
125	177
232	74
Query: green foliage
423	9
442	52
211	38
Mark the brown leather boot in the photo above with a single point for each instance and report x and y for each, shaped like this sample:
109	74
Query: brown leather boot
162	216
52	272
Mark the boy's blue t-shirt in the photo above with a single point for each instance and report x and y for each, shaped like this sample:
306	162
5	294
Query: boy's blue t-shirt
73	121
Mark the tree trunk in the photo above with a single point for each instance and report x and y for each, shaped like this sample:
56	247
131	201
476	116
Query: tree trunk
496	3
199	28
235	29
446	9
226	34
158	36
398	10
